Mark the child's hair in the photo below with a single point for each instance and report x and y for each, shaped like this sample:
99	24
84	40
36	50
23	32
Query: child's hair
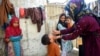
45	39
69	17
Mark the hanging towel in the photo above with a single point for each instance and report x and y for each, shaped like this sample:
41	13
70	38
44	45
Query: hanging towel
22	12
17	11
0	2
5	8
38	17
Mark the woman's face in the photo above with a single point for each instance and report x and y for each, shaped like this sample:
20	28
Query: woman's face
16	24
62	18
68	21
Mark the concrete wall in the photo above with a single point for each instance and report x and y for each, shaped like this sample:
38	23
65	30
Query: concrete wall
31	42
54	10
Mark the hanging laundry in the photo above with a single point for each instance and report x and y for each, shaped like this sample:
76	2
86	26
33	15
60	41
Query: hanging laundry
22	12
41	12
9	17
32	15
26	13
5	25
0	2
36	15
17	11
5	8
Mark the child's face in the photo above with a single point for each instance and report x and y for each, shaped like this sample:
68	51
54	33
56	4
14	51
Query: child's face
15	24
68	21
52	37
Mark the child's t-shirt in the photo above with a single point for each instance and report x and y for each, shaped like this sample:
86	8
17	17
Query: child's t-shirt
53	50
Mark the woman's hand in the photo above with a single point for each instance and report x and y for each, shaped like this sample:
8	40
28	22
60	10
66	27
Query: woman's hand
58	37
55	32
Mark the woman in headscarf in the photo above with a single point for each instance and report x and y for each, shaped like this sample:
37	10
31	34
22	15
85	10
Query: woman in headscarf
61	25
89	29
13	35
67	45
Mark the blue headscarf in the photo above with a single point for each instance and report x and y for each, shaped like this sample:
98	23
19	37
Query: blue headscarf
80	5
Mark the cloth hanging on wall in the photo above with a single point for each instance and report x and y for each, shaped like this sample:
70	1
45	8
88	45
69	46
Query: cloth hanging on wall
5	8
0	2
22	12
17	11
37	16
26	13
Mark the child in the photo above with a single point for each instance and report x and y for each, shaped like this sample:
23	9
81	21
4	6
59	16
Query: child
52	48
67	46
12	37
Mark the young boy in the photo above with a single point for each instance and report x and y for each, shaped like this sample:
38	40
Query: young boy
52	47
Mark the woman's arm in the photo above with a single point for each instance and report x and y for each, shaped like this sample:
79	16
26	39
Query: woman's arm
66	31
80	27
60	27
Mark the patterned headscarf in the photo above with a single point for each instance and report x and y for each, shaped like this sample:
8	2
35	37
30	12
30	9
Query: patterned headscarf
74	7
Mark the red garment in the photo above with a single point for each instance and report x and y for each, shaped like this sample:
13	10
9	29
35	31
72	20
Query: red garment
11	30
22	12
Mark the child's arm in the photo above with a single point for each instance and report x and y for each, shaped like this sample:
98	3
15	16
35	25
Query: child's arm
60	27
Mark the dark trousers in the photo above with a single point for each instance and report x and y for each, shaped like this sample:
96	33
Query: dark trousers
81	50
60	43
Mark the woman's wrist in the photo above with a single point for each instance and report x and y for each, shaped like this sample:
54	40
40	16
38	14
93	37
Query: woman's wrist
59	32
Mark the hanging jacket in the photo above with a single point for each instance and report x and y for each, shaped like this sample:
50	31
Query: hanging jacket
5	8
36	15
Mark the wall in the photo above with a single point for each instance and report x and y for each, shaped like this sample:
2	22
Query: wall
53	11
31	42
